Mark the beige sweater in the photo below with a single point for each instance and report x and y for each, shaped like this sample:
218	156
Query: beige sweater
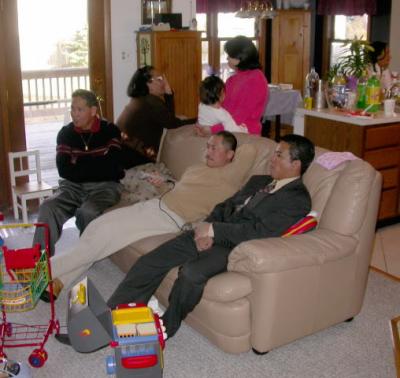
202	187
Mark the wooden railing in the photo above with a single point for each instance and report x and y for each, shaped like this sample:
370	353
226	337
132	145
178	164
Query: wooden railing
52	88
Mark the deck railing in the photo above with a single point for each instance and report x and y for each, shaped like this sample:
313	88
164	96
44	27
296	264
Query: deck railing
52	88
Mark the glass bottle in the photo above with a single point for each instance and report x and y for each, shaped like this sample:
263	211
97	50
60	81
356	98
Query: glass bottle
339	91
312	79
373	94
362	92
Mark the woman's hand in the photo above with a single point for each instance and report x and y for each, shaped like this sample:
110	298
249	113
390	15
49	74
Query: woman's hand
202	131
167	87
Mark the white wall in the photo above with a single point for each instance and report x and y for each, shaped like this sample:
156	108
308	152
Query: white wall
125	20
395	36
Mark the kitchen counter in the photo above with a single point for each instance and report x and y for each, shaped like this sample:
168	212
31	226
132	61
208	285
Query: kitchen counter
336	115
375	139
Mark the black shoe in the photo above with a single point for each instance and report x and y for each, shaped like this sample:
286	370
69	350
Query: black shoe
63	338
45	297
57	287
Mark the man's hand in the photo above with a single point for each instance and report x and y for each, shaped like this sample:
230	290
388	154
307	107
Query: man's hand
204	243
202	230
202	131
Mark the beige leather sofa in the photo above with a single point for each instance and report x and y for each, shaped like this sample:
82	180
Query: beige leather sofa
277	290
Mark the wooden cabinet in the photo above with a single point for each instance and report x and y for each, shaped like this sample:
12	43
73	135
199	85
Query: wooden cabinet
177	55
377	144
291	47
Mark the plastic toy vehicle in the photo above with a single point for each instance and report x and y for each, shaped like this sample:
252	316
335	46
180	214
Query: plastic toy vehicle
9	368
138	342
132	330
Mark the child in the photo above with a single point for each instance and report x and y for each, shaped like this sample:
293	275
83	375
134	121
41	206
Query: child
211	112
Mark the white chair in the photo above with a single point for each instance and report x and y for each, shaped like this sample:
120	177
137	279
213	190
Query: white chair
32	189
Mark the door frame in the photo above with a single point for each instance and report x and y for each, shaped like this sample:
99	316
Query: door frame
12	124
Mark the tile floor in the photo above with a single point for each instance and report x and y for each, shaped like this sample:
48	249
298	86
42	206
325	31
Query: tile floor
386	254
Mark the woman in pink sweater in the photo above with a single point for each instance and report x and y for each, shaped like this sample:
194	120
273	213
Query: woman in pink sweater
246	91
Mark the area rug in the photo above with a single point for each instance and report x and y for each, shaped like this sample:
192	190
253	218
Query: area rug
361	348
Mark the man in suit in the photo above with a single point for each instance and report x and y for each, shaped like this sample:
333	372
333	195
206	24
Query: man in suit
265	207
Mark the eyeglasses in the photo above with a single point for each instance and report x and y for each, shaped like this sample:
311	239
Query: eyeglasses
157	78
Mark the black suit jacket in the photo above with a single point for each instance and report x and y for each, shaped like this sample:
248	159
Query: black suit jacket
264	216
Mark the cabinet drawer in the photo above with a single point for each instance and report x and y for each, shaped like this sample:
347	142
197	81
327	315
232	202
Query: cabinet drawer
388	204
390	178
383	136
384	158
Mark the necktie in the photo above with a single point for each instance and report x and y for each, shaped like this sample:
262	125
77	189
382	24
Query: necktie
260	193
270	187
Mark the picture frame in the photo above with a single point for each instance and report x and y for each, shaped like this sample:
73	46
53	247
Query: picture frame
152	7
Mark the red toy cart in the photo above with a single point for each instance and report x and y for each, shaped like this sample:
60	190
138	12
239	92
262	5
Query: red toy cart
24	275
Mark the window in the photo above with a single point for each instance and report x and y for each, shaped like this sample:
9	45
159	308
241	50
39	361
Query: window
218	28
345	28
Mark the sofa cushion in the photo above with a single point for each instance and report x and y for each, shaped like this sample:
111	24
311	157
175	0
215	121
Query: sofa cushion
319	182
227	287
350	194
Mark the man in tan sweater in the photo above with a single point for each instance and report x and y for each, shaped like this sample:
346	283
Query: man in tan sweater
201	187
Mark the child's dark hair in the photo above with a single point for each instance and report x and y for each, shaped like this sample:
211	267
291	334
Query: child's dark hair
211	89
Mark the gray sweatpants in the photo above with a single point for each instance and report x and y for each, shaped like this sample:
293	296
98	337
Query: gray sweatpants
86	201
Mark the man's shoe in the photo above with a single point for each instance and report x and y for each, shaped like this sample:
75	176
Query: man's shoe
57	287
63	338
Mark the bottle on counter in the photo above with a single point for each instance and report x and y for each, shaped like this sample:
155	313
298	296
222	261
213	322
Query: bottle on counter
339	91
362	93
320	96
310	88
312	79
373	94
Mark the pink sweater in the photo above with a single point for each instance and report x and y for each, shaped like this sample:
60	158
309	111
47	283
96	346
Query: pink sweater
245	99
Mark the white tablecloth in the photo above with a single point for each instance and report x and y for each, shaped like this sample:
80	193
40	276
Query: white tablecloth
283	103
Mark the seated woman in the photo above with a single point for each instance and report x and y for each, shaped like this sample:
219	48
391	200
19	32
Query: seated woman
150	109
246	91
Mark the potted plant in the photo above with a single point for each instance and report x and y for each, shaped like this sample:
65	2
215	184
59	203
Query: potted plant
354	61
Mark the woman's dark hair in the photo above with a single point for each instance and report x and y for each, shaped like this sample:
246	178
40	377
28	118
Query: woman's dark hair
243	48
138	85
228	140
300	148
379	48
210	90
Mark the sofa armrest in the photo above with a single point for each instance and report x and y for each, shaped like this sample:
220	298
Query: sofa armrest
282	254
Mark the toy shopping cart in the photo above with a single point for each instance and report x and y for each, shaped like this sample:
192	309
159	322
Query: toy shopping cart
24	274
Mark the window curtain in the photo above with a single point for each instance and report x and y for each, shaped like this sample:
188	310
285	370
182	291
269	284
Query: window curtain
346	7
205	6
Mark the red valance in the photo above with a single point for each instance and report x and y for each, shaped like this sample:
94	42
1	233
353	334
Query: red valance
346	7
204	6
